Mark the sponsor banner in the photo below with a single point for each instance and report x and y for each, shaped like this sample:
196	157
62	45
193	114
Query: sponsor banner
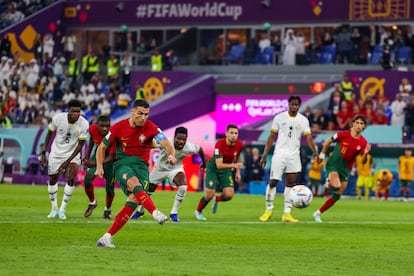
243	110
379	82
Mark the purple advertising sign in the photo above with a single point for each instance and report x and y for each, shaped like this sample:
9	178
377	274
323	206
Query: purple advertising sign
176	12
243	110
379	82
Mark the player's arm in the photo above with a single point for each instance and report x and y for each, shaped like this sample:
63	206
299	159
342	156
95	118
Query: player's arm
221	165
270	140
311	145
167	146
326	146
48	138
365	153
81	143
100	156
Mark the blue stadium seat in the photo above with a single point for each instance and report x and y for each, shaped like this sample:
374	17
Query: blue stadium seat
376	55
235	55
265	57
404	55
327	55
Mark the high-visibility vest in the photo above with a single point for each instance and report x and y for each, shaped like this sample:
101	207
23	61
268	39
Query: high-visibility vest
93	64
140	94
73	69
112	67
156	62
347	89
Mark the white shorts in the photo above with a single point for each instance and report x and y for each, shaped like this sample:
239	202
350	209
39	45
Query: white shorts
54	162
157	177
284	164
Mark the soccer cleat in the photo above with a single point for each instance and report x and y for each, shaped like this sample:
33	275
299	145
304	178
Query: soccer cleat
62	214
199	216
107	214
89	210
174	217
159	217
317	217
288	218
53	214
214	205
266	216
105	241
137	215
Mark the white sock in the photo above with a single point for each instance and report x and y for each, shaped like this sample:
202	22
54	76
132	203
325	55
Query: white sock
68	191
140	209
270	197
52	189
287	205
179	197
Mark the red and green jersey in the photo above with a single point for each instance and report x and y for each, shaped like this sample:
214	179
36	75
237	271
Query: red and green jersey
132	141
230	154
348	147
97	137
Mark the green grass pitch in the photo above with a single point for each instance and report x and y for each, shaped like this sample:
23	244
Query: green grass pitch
357	237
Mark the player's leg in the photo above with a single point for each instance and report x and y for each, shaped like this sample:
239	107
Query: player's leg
335	181
276	170
140	209
367	187
181	183
290	182
210	190
227	183
71	172
52	187
89	191
109	190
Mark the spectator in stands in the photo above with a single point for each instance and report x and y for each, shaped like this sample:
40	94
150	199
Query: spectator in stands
33	72
156	61
318	120
380	118
90	65
369	112
300	49
346	87
69	42
333	108
58	63
343	118
374	38
104	107
289	45
344	44
356	40
126	68
327	39
38	48
405	88
409	39
112	68
264	41
409	119
397	109
5	46
250	52
48	45
253	170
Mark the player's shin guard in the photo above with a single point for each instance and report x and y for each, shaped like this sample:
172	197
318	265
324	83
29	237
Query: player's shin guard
68	191
202	204
270	197
122	217
144	199
287	207
52	189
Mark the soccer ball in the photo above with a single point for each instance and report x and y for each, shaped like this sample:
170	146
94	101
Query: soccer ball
300	196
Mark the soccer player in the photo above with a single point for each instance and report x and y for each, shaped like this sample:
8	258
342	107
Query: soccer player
315	176
365	178
288	126
133	139
71	133
384	179
174	172
349	144
97	132
226	158
406	172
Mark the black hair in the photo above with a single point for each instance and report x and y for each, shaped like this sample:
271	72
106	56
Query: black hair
181	130
74	103
142	103
360	117
231	126
292	98
103	118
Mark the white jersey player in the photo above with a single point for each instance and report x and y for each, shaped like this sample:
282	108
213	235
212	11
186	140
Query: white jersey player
174	172
71	132
289	126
